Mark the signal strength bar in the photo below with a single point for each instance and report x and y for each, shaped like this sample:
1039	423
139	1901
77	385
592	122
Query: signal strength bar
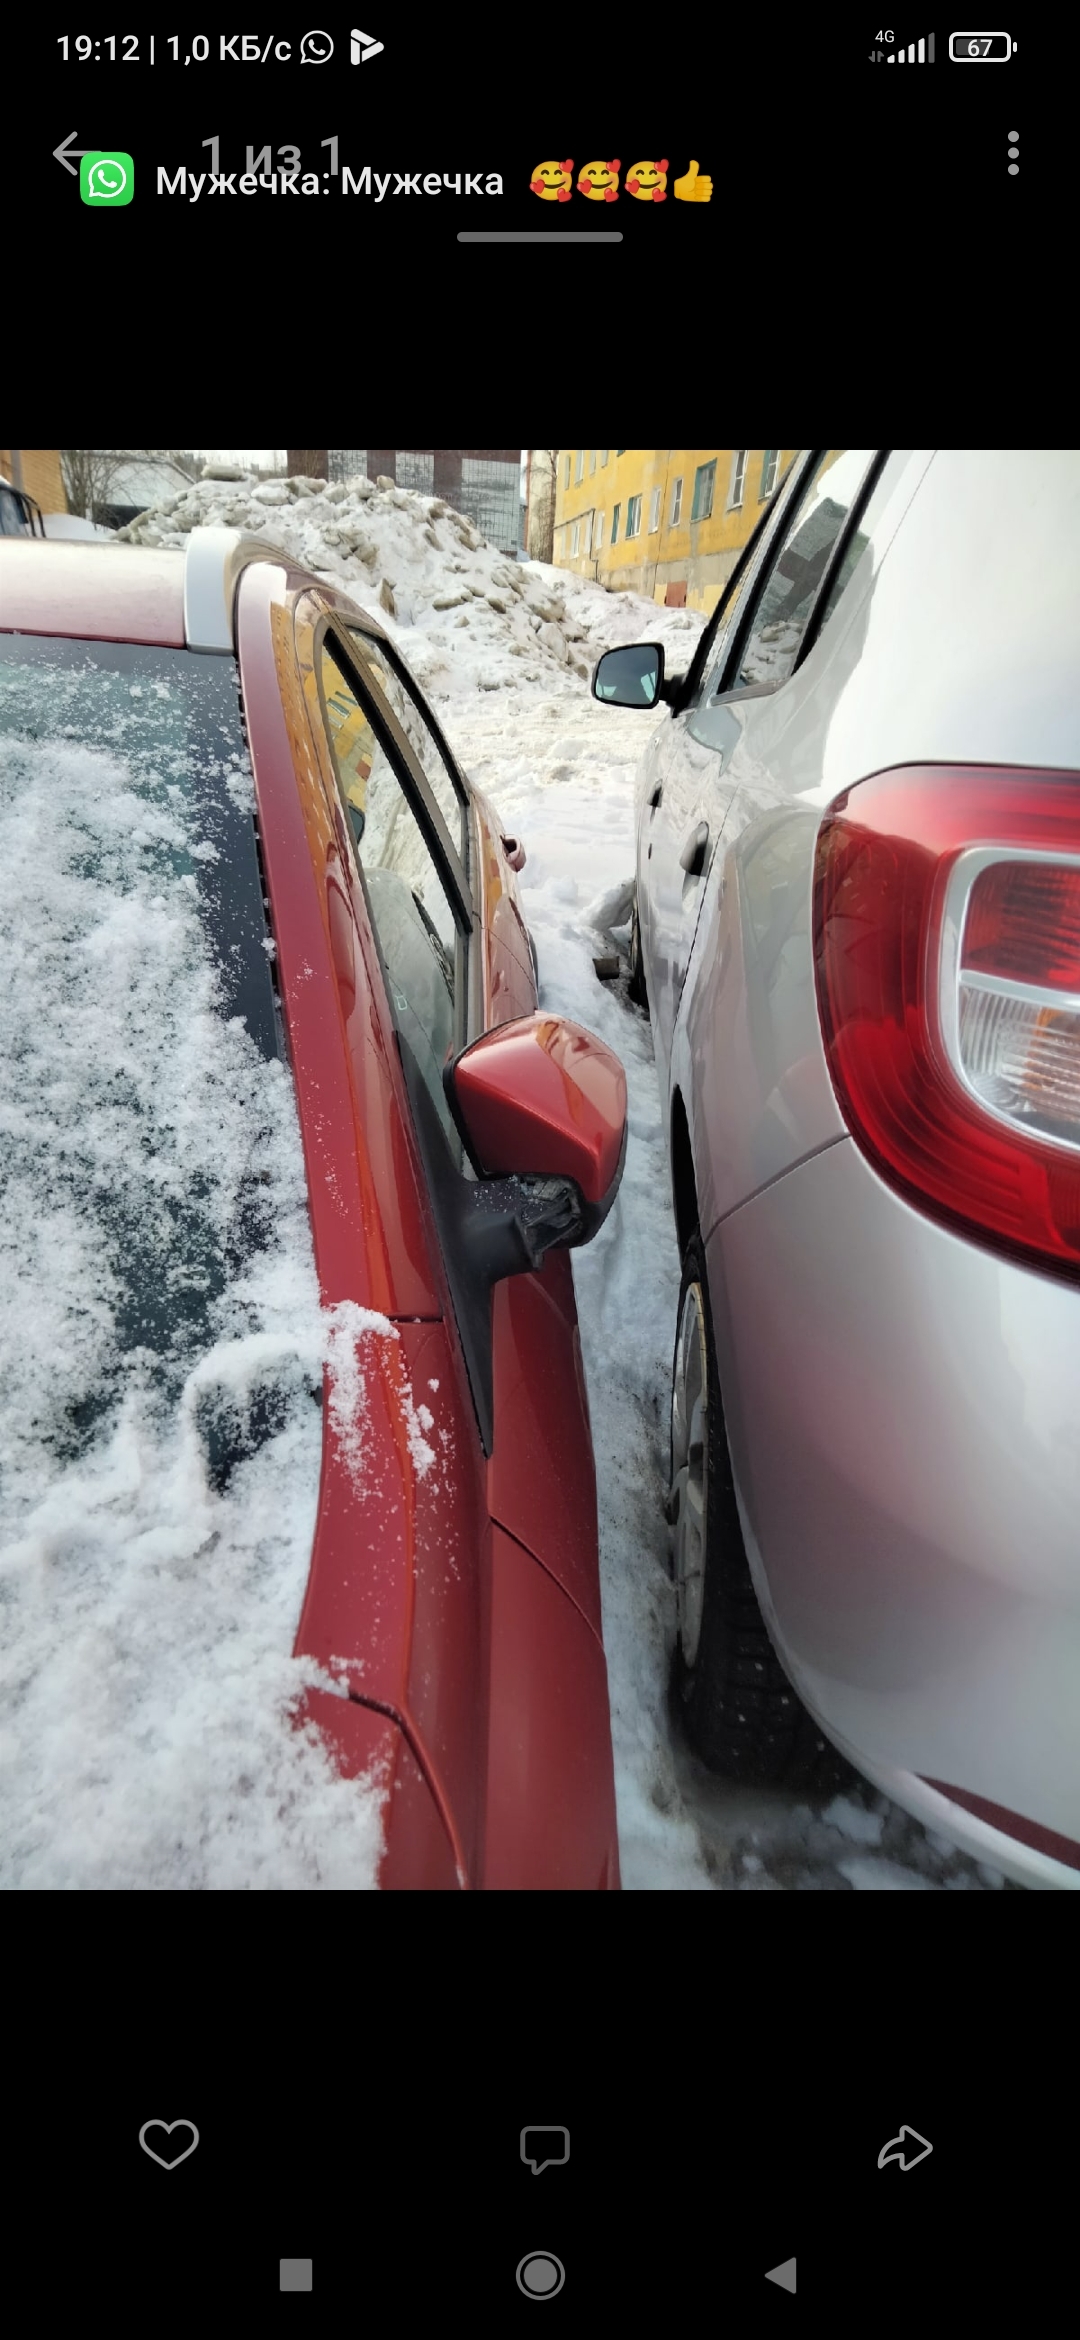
917	53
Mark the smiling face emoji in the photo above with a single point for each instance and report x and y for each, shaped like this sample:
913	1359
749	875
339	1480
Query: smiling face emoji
552	181
648	181
600	182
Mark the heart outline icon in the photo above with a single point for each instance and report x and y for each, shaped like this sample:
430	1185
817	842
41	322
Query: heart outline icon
168	2127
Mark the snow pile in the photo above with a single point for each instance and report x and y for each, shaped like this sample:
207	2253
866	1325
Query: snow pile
157	1289
467	617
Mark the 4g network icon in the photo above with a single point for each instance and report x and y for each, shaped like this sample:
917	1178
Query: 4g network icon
106	180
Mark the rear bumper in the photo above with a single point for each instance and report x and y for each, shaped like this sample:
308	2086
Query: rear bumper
904	1416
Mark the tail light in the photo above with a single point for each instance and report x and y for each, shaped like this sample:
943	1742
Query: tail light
947	952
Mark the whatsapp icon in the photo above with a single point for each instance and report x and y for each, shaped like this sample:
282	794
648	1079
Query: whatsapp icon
106	178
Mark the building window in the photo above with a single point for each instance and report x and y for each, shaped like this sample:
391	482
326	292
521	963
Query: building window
633	516
676	504
738	474
769	461
704	481
579	466
604	457
592	460
615	524
654	512
620	450
598	532
575	535
566	481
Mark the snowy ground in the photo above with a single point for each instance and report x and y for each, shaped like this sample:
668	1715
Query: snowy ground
505	650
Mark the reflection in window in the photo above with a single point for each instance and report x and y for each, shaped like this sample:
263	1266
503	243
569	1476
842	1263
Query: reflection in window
413	719
791	585
629	677
704	481
410	909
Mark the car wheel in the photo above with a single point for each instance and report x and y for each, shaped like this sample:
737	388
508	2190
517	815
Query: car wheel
636	985
737	1707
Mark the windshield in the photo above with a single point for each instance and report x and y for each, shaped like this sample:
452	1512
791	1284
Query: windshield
160	1336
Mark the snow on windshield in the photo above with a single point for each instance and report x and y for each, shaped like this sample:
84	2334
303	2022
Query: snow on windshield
161	1341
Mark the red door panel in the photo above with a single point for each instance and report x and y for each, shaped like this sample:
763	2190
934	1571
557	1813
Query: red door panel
447	1682
551	1789
541	1482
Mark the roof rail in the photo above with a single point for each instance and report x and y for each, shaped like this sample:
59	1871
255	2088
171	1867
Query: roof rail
213	560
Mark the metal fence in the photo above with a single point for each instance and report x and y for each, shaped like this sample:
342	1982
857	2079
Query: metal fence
489	492
490	498
347	463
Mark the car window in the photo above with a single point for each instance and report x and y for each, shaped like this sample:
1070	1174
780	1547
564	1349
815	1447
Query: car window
787	593
420	943
711	653
416	725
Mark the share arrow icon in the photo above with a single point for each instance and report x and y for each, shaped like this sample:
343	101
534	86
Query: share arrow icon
908	2149
363	47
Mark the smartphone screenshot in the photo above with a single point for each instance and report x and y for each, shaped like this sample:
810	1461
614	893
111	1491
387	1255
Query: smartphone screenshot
652	161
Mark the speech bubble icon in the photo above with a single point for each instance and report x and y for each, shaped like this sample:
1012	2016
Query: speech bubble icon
108	179
316	48
545	2148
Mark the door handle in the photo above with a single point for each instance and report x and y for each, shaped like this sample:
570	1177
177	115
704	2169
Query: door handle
692	857
656	796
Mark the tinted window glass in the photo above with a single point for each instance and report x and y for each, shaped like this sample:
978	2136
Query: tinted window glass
411	912
797	567
414	722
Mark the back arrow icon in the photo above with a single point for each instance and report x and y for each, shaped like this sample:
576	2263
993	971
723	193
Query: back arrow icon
908	2149
64	152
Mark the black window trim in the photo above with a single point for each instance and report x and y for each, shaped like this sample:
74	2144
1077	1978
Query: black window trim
837	557
383	647
418	797
408	770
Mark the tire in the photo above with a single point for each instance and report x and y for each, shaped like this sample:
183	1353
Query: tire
735	1704
636	985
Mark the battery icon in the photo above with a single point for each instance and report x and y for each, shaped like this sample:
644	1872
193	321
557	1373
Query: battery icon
981	48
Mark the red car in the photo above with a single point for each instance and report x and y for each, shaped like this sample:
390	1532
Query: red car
456	1143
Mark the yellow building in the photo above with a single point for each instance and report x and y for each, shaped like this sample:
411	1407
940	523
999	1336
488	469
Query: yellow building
38	474
665	522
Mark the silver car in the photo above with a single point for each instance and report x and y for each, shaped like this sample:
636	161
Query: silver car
857	928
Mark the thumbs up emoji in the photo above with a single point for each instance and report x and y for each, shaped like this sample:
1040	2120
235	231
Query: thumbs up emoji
692	189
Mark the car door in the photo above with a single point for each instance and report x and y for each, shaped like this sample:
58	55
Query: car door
745	1053
686	799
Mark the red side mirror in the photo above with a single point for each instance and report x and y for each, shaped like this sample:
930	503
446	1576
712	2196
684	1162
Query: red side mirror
543	1097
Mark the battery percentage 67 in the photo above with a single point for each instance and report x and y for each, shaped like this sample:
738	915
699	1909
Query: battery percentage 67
972	48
